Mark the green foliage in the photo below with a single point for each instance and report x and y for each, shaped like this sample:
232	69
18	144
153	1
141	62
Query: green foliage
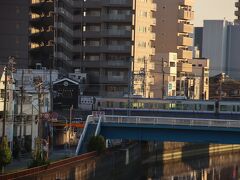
5	153
38	155
96	143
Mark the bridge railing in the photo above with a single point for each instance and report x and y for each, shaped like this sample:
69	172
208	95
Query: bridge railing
172	121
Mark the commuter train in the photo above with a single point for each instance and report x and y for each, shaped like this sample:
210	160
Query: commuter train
166	105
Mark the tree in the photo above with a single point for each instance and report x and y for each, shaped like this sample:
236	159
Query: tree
38	158
5	154
96	143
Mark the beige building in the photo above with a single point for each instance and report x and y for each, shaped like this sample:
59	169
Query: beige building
237	12
173	27
164	74
200	67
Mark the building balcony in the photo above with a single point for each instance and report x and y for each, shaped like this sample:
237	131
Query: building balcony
117	3
184	67
41	20
186	15
237	4
117	48
154	7
186	2
184	54
66	14
92	3
185	28
115	64
92	34
185	41
116	33
114	79
63	27
92	49
117	18
73	3
237	13
37	6
153	21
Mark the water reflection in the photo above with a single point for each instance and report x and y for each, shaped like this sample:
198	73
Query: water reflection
216	167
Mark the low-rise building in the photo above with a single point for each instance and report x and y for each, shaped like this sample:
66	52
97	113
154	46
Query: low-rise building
164	75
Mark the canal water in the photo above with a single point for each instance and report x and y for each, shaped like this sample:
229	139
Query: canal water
143	162
218	166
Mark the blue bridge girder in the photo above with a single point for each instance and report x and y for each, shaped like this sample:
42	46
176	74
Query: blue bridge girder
171	129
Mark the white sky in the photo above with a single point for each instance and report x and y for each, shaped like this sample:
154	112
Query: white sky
213	9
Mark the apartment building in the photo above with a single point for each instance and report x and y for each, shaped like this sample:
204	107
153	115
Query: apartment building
165	75
14	32
41	38
200	67
237	12
174	27
110	40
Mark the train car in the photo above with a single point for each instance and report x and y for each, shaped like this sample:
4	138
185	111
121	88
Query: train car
155	104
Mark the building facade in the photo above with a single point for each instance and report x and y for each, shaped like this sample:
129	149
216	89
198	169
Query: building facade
30	102
215	34
200	67
41	38
174	27
110	40
237	12
232	59
165	75
14	31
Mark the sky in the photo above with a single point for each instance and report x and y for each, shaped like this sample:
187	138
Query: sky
213	9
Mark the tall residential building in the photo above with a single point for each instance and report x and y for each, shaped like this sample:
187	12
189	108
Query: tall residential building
237	12
14	17
109	40
232	59
174	27
41	33
215	44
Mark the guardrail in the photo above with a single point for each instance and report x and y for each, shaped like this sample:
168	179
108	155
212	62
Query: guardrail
171	121
89	119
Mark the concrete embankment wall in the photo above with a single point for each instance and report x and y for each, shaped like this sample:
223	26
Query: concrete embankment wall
87	166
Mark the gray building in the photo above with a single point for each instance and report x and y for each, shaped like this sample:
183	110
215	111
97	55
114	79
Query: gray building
215	44
198	37
14	16
233	52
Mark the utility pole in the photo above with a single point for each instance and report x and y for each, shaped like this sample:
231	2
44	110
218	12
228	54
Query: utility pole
21	110
70	126
5	101
8	68
163	83
38	84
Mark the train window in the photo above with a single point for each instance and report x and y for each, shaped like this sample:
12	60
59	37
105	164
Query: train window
197	107
210	107
238	108
225	108
123	105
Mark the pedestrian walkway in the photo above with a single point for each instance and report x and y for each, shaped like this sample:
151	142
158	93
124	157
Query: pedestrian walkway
24	160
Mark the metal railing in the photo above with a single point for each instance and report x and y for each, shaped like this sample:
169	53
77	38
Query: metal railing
89	119
171	121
